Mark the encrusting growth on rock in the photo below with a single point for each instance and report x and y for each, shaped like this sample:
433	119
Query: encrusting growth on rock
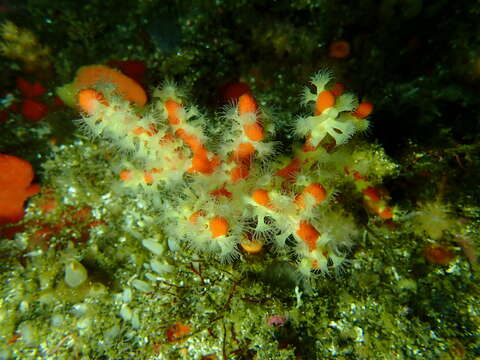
16	176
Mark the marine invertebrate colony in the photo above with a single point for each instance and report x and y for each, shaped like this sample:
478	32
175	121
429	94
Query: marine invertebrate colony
215	196
16	187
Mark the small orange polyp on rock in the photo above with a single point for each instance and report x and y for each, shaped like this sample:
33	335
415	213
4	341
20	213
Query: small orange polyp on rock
290	170
239	172
438	254
317	191
218	226
202	164
125	175
372	194
177	331
88	100
308	234
325	100
194	217
254	131
261	197
307	146
221	192
190	140
247	104
148	175
364	109
386	213
339	49
338	89
244	152
251	246
172	108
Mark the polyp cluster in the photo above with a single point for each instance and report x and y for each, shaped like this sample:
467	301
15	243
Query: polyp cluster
222	196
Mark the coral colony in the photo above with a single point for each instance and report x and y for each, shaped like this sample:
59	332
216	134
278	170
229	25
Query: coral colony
221	197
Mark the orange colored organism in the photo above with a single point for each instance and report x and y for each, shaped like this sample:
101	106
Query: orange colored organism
83	91
439	254
88	99
251	246
364	109
339	49
177	331
16	187
91	75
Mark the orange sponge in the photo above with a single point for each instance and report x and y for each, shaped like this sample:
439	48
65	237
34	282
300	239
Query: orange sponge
16	176
88	76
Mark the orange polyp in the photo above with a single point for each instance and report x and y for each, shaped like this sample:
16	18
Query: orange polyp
202	164
316	190
339	49
338	89
139	130
439	254
190	140
218	226
372	194
153	128
254	131
289	170
88	99
308	234
148	178
244	152
239	172
364	109
194	217
247	104
125	175
358	177
386	213
251	246
261	197
172	109
307	146
167	138
325	100
221	192
214	163
177	331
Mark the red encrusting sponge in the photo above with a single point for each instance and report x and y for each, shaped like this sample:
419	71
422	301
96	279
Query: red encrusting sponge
16	176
